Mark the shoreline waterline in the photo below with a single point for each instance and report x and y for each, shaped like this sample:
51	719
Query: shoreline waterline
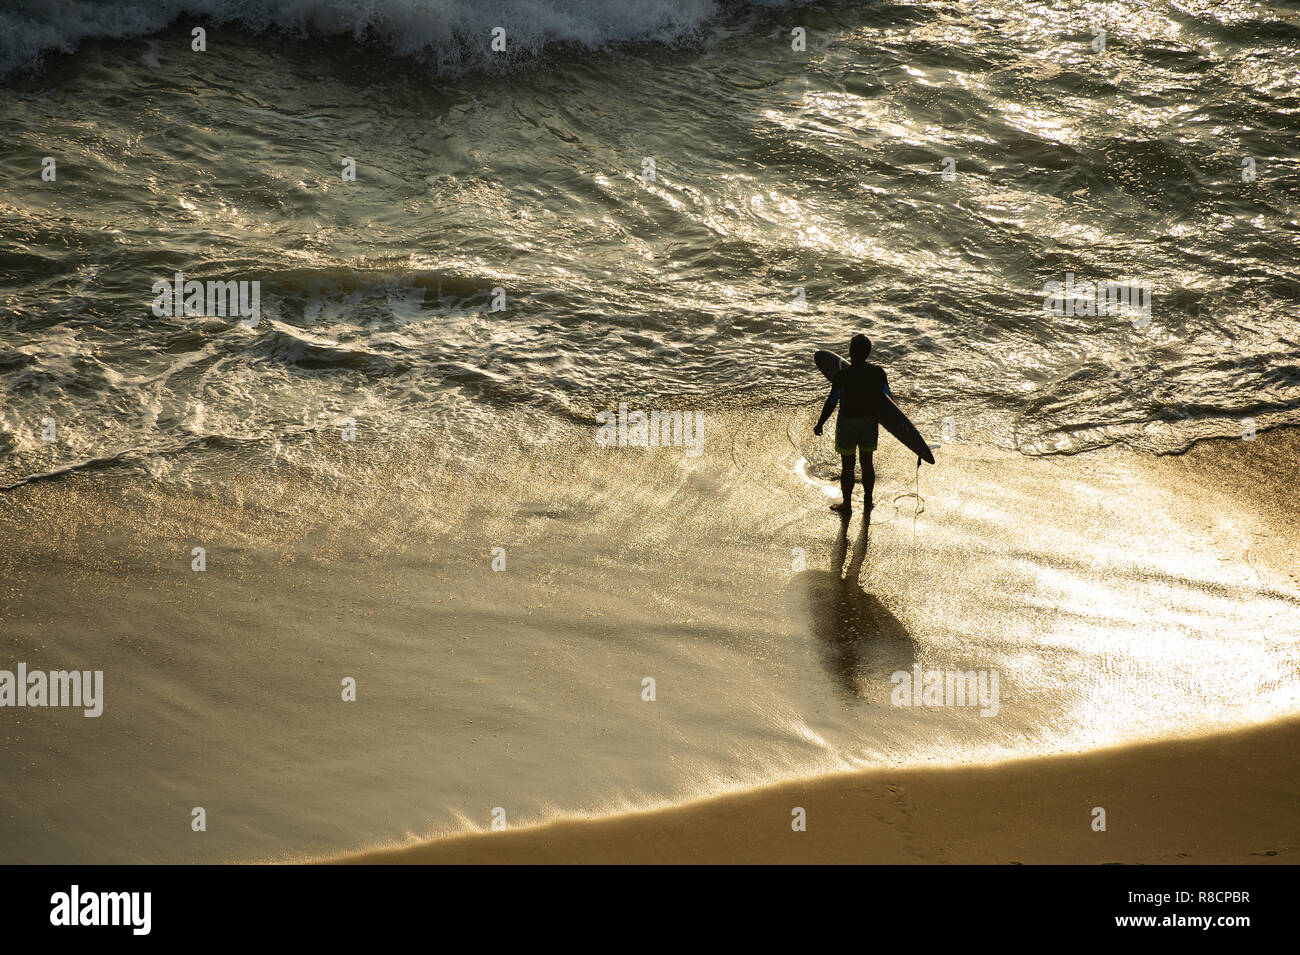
1163	800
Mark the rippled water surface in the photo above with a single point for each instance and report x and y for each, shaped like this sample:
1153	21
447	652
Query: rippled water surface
774	171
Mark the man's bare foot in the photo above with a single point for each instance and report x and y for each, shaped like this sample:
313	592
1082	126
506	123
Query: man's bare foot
844	508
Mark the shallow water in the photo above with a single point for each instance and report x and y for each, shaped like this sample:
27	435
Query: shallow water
1107	608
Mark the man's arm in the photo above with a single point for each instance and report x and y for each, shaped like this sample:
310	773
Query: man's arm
831	401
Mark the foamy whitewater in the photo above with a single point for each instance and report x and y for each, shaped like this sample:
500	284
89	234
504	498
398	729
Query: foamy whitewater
657	204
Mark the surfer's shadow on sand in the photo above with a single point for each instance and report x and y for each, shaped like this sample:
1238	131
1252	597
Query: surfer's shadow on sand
860	641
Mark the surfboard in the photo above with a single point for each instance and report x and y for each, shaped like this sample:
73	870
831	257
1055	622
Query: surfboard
883	410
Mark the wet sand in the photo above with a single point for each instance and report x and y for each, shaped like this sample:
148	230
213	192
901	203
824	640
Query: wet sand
1227	798
1122	597
1220	798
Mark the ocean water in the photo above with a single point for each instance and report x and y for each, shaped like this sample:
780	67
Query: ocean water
774	171
659	203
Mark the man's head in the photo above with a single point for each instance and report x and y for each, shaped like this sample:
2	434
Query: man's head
859	349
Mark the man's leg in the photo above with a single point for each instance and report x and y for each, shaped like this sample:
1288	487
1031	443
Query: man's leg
868	475
846	480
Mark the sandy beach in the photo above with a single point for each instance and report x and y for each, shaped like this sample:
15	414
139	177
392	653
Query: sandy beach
1215	798
1111	611
1229	798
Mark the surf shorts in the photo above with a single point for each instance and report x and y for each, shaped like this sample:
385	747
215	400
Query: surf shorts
856	434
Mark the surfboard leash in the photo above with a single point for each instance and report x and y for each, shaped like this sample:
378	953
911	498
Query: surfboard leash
916	513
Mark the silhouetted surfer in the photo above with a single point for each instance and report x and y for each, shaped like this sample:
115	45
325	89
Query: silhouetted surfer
853	388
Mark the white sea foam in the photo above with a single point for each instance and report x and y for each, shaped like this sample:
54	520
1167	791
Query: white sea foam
447	31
